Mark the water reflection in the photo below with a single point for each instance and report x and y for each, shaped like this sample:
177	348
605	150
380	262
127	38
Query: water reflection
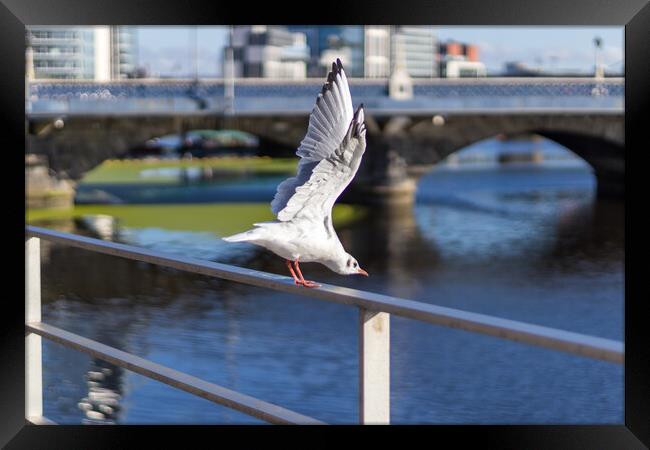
393	249
544	251
102	404
221	188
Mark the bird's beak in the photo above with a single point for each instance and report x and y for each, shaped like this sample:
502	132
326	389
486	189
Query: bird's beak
360	271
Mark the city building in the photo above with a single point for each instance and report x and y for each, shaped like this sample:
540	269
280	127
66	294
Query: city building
328	42
268	52
373	51
370	51
124	51
377	51
59	52
455	49
99	53
456	59
461	68
417	47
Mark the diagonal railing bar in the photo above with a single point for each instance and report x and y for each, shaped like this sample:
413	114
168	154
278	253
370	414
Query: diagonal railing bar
566	341
218	394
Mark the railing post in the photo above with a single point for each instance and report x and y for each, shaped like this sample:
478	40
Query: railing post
33	346
374	367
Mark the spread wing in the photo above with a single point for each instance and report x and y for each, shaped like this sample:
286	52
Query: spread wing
315	198
329	123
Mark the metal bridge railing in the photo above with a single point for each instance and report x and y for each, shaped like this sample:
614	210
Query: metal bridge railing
374	332
260	95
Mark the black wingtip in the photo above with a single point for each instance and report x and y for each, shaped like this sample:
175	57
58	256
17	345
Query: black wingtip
356	123
358	126
337	67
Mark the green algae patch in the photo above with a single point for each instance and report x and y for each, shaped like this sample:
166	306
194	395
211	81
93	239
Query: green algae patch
220	218
131	171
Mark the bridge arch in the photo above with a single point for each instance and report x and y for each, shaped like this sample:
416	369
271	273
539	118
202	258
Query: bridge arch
422	142
84	142
416	142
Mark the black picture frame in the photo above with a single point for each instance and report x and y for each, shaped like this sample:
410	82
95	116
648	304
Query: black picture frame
633	14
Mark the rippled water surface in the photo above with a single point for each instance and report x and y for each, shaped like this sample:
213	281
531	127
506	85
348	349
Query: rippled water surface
525	243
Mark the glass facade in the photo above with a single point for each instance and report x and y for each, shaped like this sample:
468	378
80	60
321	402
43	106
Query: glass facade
377	51
124	50
73	52
61	52
415	48
371	51
268	52
328	42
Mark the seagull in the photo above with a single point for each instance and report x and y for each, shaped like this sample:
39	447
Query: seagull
330	155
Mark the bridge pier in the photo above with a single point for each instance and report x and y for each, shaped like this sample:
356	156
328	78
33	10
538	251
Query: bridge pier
388	195
605	156
612	186
384	178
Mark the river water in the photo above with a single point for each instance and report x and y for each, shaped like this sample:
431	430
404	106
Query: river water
524	242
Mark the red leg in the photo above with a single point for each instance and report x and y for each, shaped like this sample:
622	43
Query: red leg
293	274
306	283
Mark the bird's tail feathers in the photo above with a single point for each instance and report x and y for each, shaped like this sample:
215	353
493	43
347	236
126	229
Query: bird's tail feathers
249	235
239	237
255	234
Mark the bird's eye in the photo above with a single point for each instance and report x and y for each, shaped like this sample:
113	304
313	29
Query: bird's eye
355	264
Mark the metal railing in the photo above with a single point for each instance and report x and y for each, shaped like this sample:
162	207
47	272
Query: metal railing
374	332
256	97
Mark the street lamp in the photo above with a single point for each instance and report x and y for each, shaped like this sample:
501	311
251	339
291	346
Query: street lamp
195	52
598	70
229	74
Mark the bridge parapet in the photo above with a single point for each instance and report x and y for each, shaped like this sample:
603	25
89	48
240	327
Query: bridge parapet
258	97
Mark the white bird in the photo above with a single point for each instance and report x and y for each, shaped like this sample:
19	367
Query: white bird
330	157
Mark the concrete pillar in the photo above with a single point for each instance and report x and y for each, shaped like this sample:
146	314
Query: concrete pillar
374	367
383	178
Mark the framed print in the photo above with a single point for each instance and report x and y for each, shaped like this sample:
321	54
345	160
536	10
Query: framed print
404	214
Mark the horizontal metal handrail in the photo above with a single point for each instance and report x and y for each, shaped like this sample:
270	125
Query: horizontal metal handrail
218	394
377	112
566	341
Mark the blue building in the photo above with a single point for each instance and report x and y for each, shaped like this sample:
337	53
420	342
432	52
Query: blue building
328	42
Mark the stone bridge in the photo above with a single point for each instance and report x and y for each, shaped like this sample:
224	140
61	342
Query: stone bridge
80	124
401	147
